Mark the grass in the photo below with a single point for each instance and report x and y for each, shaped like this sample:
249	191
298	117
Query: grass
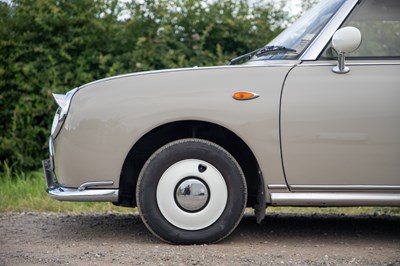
27	193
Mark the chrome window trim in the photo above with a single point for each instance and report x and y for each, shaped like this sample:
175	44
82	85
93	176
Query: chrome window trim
352	63
318	44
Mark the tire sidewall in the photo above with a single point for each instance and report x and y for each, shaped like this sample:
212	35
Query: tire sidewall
178	151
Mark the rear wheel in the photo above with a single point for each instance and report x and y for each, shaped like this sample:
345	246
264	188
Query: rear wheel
191	191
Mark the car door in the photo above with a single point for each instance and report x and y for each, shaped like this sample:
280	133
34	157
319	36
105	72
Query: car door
342	131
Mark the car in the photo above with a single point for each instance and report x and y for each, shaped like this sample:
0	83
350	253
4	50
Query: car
311	119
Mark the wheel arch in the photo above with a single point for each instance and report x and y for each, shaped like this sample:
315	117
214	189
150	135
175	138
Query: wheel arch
161	135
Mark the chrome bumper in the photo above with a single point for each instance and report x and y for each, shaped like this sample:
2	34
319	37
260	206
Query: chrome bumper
58	192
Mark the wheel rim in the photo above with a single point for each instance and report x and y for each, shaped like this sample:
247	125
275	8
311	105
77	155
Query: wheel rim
199	210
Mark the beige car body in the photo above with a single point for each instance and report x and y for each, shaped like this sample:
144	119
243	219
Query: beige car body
312	136
109	116
89	155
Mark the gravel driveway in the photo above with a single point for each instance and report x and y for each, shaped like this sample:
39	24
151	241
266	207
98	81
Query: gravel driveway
122	239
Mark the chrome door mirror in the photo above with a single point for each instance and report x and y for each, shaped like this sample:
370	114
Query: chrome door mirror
345	40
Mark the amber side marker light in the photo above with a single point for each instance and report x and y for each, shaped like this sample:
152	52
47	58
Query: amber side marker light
244	95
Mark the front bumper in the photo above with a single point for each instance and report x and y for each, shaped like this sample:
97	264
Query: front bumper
58	192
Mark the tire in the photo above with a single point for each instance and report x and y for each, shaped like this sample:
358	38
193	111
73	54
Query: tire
191	191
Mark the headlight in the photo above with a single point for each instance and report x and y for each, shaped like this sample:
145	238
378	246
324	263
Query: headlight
64	102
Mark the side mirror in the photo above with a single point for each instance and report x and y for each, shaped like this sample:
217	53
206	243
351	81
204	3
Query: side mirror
345	40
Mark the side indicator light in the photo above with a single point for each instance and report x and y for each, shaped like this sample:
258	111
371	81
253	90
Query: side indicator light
244	95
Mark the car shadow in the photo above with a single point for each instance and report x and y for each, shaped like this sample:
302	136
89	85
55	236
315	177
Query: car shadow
276	227
319	227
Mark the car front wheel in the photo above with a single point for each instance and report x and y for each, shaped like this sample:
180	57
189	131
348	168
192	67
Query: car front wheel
191	191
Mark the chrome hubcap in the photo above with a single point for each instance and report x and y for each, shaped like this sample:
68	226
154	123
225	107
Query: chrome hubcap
192	195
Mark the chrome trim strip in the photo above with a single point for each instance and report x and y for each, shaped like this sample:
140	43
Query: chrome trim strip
316	47
58	121
60	100
335	199
51	146
95	184
51	150
71	194
343	187
49	173
277	186
64	103
58	192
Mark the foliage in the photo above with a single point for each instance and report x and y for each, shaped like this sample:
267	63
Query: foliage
307	4
55	45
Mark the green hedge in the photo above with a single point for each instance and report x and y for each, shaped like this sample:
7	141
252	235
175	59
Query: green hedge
55	45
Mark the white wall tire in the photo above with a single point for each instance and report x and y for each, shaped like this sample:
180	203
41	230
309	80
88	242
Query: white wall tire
213	170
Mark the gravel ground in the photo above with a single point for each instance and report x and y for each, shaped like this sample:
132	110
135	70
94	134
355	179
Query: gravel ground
122	239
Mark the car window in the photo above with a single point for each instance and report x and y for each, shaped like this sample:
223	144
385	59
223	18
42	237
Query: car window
298	36
379	23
